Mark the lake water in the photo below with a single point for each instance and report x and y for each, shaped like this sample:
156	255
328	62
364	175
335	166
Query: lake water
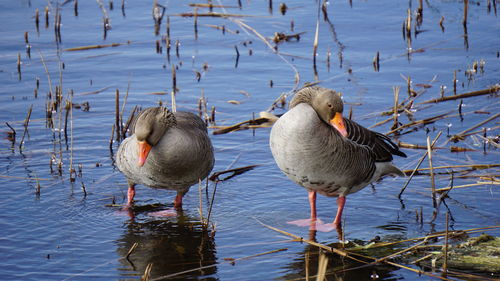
66	232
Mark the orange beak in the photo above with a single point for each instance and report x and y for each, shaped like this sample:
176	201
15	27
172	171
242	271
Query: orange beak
144	149
338	123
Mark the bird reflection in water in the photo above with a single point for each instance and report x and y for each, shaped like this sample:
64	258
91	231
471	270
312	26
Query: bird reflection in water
170	245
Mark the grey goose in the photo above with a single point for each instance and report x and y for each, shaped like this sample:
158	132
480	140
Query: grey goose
166	150
325	153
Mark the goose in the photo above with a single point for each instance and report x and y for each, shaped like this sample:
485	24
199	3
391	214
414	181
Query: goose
167	150
325	153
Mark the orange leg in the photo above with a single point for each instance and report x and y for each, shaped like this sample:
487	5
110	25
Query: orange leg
130	194
340	207
312	204
178	201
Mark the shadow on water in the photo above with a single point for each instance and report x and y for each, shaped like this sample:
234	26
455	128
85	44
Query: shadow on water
171	245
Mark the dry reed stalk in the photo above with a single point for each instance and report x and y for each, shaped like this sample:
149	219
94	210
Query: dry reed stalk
25	125
466	7
12	134
127	256
454	82
200	207
453	233
19	65
147	272
241	125
376	62
418	165
75	8
479	183
306	264
322	265
210	6
117	115
38	187
395	108
237	56
234	172
433	185
492	90
92	47
474	166
459	135
420	122
46	17
71	169
174	89
37	19
213	14
111	138
445	263
196	23
123	130
441	21
129	122
348	254
316	36
408	24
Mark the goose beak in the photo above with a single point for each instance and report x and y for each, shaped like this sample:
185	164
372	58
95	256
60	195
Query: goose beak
338	123
144	149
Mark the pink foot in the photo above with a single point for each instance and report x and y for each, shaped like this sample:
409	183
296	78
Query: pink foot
164	213
304	222
314	225
126	211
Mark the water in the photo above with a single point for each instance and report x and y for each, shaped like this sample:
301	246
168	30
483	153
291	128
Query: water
64	234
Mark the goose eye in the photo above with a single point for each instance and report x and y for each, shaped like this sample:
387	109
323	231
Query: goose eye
329	105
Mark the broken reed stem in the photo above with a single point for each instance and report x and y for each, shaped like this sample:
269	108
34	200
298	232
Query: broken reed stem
466	7
395	108
131	250
211	200
376	62
25	124
19	65
454	82
418	165
122	129
433	185
174	89
200	207
196	23
316	35
111	138
13	133
71	169
117	115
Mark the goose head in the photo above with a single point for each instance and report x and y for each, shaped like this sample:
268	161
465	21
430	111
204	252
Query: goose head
150	126
327	104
